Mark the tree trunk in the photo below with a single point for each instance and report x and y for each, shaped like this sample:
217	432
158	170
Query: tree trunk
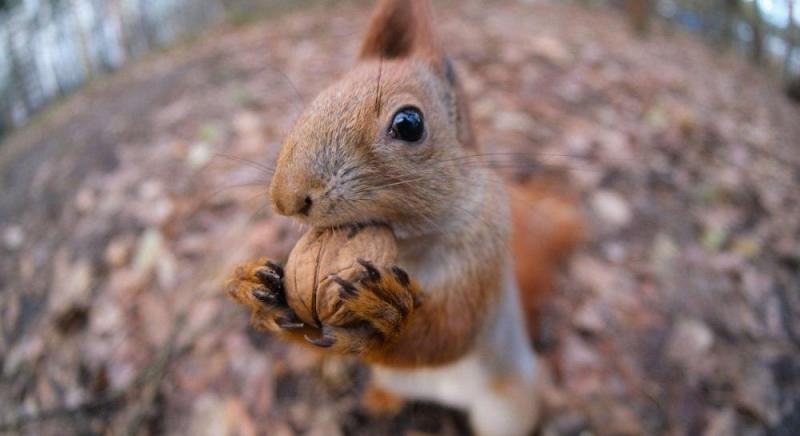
639	15
758	34
793	89
730	11
790	30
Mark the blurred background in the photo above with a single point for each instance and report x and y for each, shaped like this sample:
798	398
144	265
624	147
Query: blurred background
49	48
138	138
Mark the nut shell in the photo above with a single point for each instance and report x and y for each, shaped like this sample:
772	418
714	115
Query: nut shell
321	253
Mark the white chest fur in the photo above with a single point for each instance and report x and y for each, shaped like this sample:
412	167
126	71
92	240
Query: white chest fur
496	382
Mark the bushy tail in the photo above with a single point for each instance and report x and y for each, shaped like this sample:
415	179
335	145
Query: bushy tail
547	227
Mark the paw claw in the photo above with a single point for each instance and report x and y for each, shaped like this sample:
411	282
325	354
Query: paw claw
269	278
264	295
372	272
401	276
347	290
288	322
276	268
322	341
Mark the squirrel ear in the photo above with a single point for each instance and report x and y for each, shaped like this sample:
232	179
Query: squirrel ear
402	29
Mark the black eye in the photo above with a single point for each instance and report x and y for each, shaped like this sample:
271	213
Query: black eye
407	125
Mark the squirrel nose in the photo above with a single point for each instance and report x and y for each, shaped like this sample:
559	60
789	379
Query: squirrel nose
295	186
293	205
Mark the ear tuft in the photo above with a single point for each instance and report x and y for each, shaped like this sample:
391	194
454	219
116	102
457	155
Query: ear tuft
400	29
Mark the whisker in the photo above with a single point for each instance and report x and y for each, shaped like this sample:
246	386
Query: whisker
541	166
533	154
257	165
379	91
498	160
267	206
534	165
228	188
401	182
271	65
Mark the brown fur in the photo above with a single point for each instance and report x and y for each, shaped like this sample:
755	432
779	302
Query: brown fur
546	229
401	30
446	214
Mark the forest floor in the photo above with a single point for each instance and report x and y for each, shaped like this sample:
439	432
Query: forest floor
123	209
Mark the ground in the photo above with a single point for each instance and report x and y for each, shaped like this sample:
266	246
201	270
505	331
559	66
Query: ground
124	208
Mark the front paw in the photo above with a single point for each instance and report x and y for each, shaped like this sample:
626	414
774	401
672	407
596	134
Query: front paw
259	286
375	304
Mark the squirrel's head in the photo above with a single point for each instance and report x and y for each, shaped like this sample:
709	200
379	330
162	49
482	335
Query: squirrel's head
382	144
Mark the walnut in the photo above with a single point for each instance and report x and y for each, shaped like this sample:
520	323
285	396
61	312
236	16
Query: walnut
321	253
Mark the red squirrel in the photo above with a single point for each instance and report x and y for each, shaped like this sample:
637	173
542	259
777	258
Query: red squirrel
389	143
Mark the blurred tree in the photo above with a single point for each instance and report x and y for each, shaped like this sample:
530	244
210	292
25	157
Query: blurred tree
18	65
752	15
730	12
791	76
83	43
6	4
50	47
790	39
793	88
639	15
